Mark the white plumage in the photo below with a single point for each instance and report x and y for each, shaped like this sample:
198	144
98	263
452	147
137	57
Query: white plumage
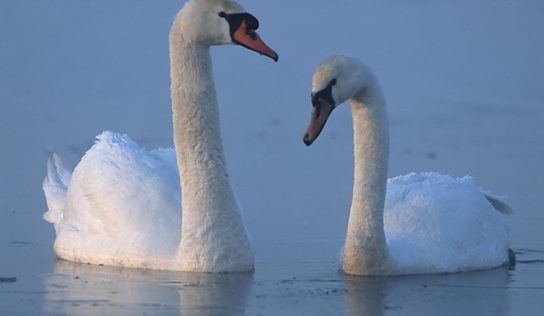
417	223
122	206
435	223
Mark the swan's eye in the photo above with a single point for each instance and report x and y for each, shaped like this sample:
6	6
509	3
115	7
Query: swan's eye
222	14
324	95
251	33
251	21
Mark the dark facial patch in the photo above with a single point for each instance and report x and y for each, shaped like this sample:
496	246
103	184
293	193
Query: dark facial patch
325	94
236	19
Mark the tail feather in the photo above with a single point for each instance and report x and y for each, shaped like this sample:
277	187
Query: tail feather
55	186
498	203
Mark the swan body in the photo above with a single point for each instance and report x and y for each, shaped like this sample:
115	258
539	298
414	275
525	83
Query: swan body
411	224
120	207
123	206
435	223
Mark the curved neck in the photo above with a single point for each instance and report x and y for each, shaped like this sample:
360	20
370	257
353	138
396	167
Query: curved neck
365	251
199	149
212	231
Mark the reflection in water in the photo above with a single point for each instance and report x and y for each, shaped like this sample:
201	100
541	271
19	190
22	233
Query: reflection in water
88	289
214	294
365	295
473	293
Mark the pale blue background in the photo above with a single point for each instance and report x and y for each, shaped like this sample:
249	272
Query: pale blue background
464	82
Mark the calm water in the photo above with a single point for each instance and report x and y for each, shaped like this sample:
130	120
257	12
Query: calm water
464	83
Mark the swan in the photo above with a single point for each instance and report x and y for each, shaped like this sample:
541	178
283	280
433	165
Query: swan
419	223
121	205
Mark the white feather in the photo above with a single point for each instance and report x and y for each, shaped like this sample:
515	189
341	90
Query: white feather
122	206
417	223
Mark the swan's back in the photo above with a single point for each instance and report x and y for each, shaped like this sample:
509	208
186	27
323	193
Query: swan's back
122	202
435	223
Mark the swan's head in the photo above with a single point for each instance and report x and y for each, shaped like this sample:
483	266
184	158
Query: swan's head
219	22
336	80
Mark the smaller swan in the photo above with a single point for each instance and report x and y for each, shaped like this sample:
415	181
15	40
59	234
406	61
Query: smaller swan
427	222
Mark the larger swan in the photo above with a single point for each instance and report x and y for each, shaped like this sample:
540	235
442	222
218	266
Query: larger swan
427	222
121	206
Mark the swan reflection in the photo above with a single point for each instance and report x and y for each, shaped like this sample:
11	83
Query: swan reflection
472	293
89	289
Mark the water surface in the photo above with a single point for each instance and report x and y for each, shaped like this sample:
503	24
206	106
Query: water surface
463	82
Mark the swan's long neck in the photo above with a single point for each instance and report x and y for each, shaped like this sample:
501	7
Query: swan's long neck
212	227
365	251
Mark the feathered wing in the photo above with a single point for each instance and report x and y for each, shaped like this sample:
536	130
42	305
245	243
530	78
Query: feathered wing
497	202
436	223
55	186
121	201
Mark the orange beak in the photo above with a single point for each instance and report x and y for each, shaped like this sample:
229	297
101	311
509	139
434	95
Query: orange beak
248	38
320	115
